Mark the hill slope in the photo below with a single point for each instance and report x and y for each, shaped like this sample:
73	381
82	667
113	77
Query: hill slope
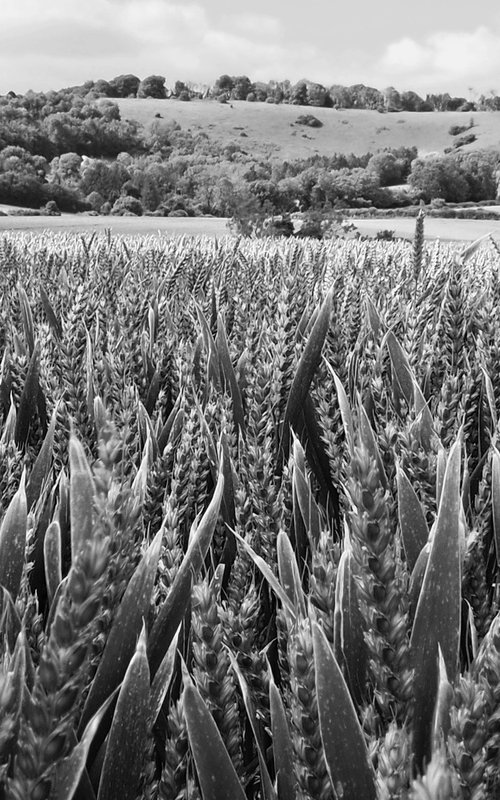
272	132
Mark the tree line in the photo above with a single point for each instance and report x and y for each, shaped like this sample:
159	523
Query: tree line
303	92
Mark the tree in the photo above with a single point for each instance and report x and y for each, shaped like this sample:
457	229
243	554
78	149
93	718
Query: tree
223	85
392	99
491	103
242	86
438	101
365	96
125	85
261	91
387	167
480	170
317	95
127	206
107	179
182	91
411	101
66	169
152	86
150	196
22	177
299	94
102	87
341	96
279	91
108	110
457	103
95	201
351	186
438	176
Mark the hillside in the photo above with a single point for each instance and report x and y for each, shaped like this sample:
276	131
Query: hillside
271	130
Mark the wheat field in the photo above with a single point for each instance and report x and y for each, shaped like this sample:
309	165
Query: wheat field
250	519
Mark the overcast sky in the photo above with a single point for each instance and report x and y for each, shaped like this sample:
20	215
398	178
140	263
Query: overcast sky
429	45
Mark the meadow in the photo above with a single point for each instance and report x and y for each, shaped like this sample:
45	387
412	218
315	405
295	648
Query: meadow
270	131
250	518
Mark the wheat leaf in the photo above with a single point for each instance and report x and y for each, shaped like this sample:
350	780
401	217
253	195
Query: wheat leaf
126	744
344	745
217	776
438	613
13	541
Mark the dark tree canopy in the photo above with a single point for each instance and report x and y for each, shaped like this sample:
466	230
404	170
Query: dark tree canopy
152	86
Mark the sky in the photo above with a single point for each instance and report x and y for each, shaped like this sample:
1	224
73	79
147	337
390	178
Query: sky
424	46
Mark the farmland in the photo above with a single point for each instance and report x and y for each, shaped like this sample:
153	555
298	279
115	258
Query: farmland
126	226
250	501
452	230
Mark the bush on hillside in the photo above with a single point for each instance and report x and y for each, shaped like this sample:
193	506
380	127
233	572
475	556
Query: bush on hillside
469	138
456	130
310	120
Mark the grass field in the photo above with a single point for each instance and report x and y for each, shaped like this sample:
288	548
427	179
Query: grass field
271	130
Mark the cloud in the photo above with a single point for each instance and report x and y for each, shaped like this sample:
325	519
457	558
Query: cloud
260	25
445	60
65	42
54	40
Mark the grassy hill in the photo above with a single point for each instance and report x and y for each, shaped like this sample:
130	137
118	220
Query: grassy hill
271	130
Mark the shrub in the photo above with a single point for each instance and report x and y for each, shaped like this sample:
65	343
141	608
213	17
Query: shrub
310	120
469	138
95	200
51	209
126	205
66	198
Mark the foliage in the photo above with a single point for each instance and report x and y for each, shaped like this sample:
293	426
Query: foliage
438	176
456	178
310	120
124	86
60	122
392	166
468	138
456	130
152	86
127	205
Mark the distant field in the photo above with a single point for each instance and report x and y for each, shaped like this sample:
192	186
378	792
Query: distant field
77	223
448	230
271	130
444	229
